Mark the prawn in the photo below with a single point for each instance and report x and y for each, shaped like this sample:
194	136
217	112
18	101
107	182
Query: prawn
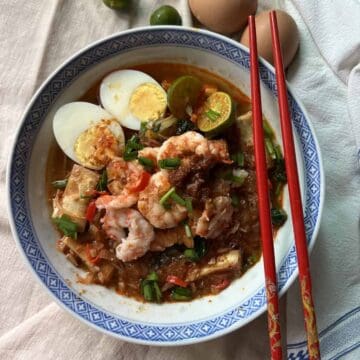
141	233
122	175
192	143
150	207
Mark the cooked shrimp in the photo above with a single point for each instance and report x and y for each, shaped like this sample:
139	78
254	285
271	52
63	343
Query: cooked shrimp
122	175
193	143
215	218
149	203
122	201
140	236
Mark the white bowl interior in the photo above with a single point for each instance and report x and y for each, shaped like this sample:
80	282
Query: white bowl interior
108	300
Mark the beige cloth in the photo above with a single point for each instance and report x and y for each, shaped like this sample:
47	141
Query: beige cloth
36	36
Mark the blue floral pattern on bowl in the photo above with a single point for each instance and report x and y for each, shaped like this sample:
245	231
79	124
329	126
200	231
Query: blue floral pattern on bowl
181	333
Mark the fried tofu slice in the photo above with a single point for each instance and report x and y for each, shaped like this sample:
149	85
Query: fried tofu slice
70	202
221	263
105	270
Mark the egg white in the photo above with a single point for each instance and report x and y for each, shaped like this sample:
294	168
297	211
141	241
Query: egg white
116	91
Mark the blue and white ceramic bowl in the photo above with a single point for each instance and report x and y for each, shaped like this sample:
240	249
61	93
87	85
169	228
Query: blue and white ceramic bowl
103	309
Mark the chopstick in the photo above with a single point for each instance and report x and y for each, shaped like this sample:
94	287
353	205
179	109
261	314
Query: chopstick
264	202
295	198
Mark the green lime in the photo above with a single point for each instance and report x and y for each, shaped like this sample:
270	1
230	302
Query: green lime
165	15
182	93
117	4
217	114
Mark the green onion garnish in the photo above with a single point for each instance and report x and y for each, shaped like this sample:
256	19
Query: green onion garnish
198	251
66	226
132	147
153	276
178	199
169	163
59	184
191	254
102	184
181	294
200	246
278	216
270	148
238	158
278	152
235	201
146	162
268	129
150	288
166	197
188	205
147	290
212	114
188	231
157	291
278	188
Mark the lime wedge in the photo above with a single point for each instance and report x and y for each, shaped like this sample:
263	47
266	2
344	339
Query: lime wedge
183	93
217	114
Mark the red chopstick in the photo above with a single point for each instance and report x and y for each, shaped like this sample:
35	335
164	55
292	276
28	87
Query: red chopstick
295	198
264	202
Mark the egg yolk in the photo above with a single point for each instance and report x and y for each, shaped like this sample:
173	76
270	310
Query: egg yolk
148	102
96	146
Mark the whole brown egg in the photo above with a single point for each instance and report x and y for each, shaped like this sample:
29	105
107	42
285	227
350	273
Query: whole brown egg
288	34
223	16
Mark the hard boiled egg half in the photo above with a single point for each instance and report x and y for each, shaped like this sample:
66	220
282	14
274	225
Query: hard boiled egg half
133	97
88	134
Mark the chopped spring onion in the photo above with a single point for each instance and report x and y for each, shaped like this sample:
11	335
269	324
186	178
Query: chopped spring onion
150	288
178	199
191	254
278	152
59	184
188	231
157	291
147	290
238	158
181	294
238	176
212	114
132	147
166	197
270	148
66	226
102	184
268	129
146	162
188	205
198	251
277	173
278	216
200	246
169	163
235	201
278	188
153	276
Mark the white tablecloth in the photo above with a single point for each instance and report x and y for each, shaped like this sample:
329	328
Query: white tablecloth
37	36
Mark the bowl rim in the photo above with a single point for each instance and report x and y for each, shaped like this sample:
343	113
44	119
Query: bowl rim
21	123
